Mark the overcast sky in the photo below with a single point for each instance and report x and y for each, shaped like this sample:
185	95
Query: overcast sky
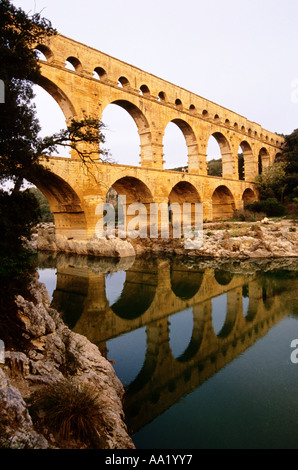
240	54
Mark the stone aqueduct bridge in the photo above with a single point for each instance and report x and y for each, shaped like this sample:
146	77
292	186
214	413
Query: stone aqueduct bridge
99	80
153	291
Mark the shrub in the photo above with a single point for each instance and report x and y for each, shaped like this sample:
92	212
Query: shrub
271	207
71	410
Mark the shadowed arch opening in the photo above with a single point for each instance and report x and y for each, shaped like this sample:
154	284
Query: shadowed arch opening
46	52
128	134
99	73
73	63
223	203
144	90
248	197
246	167
123	82
65	204
263	160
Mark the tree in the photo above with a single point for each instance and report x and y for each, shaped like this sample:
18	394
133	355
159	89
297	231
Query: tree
272	182
215	167
289	157
20	143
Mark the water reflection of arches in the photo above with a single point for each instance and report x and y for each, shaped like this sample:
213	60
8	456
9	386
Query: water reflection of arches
223	277
226	307
185	282
160	378
138	292
194	339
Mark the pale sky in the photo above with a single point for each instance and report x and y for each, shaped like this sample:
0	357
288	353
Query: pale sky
239	54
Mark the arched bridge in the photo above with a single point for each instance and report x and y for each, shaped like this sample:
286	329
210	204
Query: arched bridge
98	80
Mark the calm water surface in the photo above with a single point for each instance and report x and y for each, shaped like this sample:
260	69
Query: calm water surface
204	352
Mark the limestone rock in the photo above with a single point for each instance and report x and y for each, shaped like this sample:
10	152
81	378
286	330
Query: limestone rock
54	351
16	427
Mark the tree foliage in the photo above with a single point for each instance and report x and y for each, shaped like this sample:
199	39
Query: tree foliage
20	143
289	157
272	182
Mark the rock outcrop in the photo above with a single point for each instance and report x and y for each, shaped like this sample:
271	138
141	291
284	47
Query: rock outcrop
231	240
53	352
263	239
45	239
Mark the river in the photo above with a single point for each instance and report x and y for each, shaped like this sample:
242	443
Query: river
204	350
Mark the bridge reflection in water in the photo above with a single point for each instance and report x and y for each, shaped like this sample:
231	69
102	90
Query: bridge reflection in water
224	311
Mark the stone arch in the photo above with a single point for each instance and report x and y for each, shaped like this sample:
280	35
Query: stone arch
59	96
248	197
223	203
183	192
65	204
130	191
278	156
178	104
99	73
123	82
248	161
226	154
162	97
263	160
190	141
144	90
74	61
143	128
46	51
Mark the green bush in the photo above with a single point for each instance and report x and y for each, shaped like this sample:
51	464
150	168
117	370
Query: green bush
271	207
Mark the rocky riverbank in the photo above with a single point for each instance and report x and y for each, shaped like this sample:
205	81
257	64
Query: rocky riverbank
236	240
50	353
